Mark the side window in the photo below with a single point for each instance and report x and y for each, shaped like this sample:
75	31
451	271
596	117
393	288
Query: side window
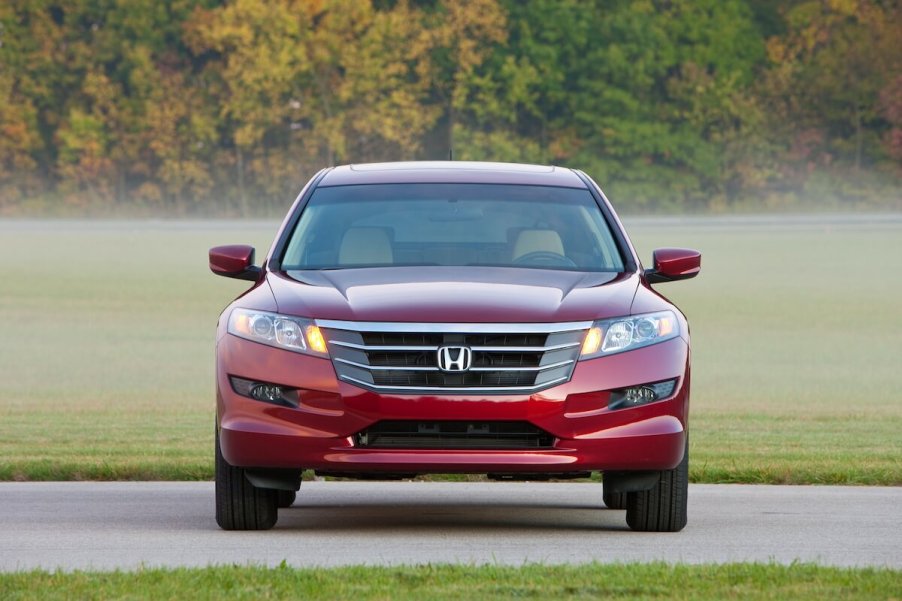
295	253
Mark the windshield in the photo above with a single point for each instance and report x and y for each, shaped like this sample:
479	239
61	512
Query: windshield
452	225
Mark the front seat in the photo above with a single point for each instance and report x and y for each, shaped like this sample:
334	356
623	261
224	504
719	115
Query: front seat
365	246
531	241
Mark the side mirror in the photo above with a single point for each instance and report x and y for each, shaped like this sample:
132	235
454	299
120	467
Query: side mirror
234	261
672	264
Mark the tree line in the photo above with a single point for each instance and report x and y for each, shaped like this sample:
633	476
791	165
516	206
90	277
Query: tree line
230	105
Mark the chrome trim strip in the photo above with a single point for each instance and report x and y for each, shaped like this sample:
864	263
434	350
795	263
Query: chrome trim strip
482	349
363	347
384	367
539	368
439	390
524	349
426	368
454	328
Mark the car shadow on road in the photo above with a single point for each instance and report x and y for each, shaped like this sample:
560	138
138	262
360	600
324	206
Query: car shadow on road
413	516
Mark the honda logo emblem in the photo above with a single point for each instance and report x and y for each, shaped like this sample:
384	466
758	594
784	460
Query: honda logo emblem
454	358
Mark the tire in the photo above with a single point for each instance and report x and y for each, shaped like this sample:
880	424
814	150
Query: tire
285	498
239	504
663	508
614	500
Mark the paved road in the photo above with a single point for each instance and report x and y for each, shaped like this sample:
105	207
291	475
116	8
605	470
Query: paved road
129	524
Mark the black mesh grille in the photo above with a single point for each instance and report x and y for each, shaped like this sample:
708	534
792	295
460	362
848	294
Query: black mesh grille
400	339
505	339
439	379
402	358
454	435
504	359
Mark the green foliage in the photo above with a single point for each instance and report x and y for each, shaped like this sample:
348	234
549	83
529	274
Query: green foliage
678	104
647	101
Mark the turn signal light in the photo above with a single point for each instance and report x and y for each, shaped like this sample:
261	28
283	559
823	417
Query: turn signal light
315	339
592	341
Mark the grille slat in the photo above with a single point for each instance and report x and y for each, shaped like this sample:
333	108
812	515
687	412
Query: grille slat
404	357
524	349
377	347
386	367
523	368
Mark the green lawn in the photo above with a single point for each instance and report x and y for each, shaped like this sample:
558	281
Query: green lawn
106	349
588	581
797	351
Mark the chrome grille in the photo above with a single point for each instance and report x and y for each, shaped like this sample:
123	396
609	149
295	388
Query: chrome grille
403	357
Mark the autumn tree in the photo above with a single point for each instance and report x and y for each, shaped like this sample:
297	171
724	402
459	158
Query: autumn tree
177	105
89	78
20	141
308	83
828	73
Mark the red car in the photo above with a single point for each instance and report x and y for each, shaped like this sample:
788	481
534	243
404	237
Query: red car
452	317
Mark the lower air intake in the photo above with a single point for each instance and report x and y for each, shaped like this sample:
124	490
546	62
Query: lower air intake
453	435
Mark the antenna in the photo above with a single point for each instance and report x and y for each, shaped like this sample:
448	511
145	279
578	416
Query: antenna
450	154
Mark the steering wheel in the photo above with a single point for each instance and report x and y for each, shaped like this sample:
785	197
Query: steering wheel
544	257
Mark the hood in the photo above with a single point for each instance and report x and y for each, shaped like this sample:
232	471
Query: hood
453	294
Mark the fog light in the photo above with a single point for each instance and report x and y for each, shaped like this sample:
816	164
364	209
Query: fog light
641	395
265	392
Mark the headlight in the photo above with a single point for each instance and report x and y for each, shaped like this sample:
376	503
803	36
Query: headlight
627	333
281	331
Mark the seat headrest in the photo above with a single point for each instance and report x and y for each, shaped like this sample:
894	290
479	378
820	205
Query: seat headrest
365	246
530	241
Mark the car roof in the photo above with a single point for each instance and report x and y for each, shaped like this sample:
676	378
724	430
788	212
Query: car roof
435	172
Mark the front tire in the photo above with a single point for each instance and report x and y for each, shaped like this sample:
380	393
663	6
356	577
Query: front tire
663	508
614	500
239	504
286	498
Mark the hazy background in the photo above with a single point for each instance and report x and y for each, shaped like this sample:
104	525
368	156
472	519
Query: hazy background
107	340
112	111
177	107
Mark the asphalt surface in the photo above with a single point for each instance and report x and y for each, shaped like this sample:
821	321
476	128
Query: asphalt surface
127	525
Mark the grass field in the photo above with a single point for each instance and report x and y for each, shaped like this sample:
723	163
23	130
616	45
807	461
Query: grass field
106	348
591	581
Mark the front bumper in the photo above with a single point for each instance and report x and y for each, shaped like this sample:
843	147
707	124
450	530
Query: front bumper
319	434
